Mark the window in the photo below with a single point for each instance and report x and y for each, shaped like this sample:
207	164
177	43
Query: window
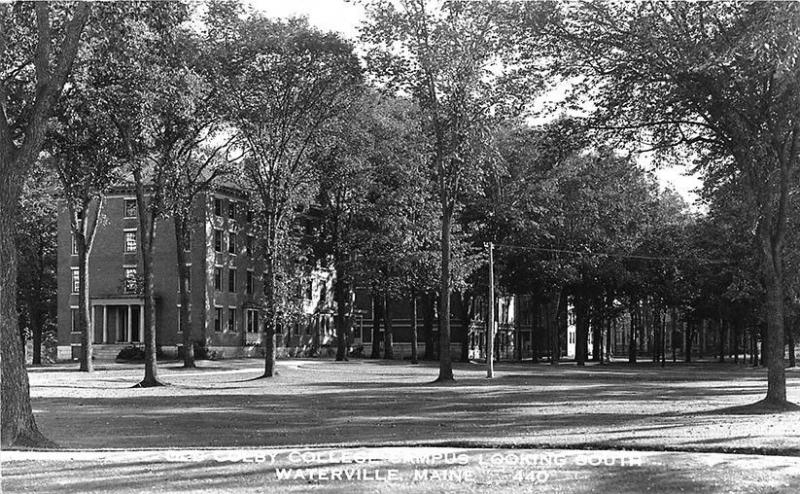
75	320
218	278
218	319
74	245
218	240
189	319
232	210
231	279
130	241
248	246
130	280
130	208
232	242
76	281
249	283
249	216
232	319
217	207
252	321
188	278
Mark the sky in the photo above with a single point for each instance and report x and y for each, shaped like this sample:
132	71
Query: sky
345	17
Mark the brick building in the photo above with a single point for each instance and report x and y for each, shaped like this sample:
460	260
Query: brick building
402	317
225	280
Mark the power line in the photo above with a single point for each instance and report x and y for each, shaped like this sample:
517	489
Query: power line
613	254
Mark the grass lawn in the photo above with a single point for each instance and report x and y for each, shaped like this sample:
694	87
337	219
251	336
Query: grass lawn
218	428
364	402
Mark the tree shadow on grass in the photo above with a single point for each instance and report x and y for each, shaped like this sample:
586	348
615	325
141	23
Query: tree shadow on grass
762	407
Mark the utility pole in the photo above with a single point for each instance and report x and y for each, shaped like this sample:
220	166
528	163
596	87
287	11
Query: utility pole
490	322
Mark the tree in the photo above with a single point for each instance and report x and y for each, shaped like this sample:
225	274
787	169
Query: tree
286	84
34	73
346	170
456	59
141	95
192	143
194	172
395	227
80	147
721	79
37	244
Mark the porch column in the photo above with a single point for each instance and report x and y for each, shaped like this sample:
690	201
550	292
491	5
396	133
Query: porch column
105	323
130	323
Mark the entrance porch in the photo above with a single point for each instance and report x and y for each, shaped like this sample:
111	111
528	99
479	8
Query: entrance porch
119	320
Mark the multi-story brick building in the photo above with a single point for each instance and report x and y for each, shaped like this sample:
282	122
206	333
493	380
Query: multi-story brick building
225	280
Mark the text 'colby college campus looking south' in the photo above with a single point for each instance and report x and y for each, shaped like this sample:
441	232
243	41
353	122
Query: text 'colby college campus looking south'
400	246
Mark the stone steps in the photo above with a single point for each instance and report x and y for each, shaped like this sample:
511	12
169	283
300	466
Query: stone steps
108	352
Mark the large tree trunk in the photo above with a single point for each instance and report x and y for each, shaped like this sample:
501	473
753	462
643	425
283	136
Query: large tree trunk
774	348
445	361
83	228
18	425
414	329
377	314
388	333
84	306
185	299
147	221
270	316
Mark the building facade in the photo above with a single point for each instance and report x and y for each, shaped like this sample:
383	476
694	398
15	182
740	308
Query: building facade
225	281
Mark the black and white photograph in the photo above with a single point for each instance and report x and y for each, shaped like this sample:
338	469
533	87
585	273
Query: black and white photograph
400	246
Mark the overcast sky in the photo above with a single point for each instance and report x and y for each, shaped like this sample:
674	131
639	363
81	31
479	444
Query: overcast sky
345	17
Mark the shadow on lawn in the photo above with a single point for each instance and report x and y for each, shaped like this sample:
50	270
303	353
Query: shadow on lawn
571	405
761	407
363	412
